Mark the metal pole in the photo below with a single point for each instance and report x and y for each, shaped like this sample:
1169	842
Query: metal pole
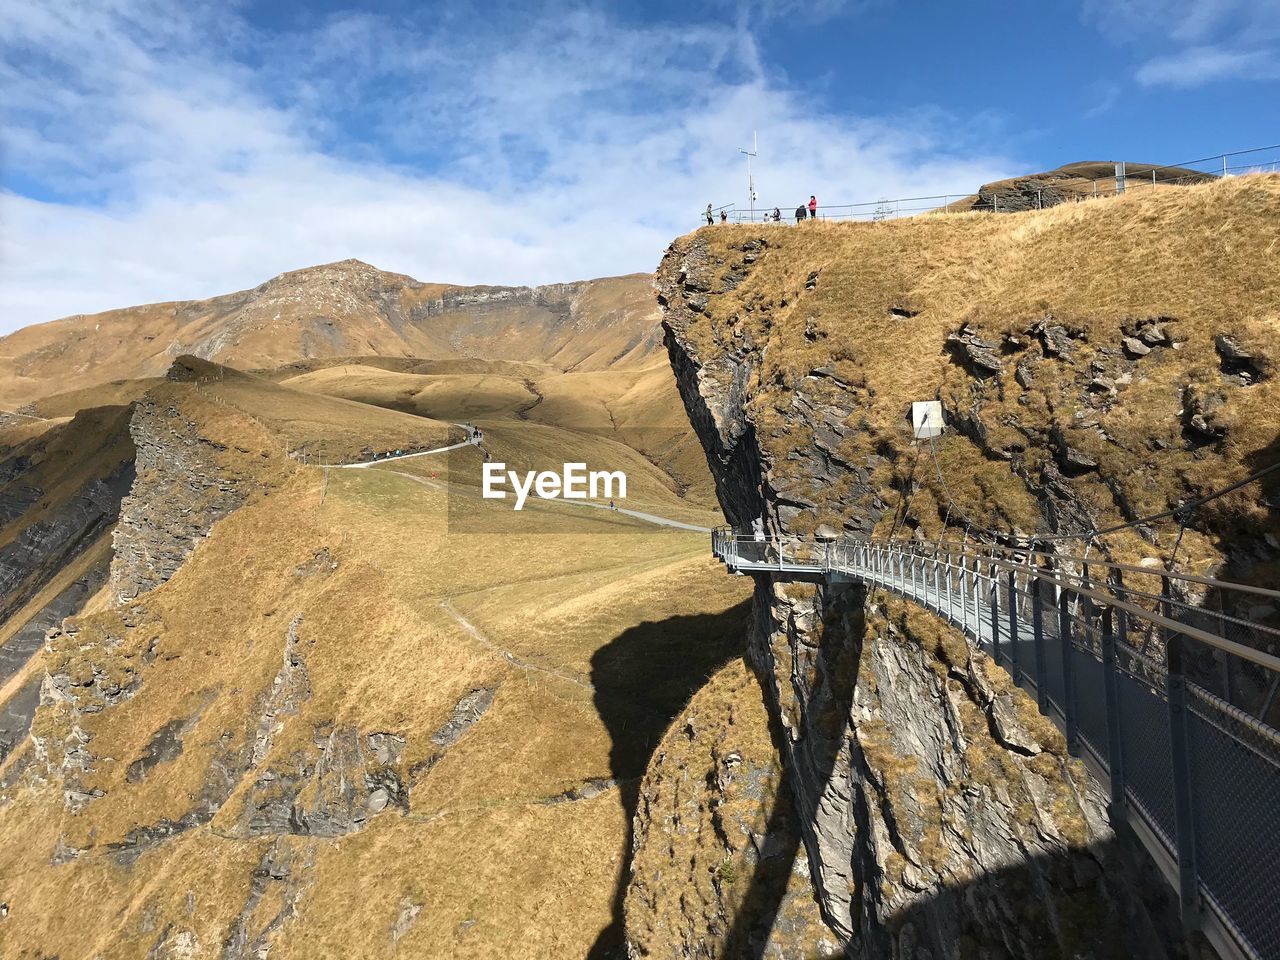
950	606
1013	629
1068	673
1037	633
1115	749
972	594
995	615
1176	691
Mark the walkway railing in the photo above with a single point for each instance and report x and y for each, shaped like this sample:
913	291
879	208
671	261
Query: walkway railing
1166	684
1132	177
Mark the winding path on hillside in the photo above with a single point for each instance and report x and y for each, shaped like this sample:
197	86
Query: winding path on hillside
470	442
1168	702
637	514
653	518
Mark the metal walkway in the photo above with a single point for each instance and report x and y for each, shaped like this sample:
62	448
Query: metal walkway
1158	680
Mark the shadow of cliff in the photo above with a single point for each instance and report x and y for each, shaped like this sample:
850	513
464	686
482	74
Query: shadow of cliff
814	751
1239	536
1250	547
643	679
1023	927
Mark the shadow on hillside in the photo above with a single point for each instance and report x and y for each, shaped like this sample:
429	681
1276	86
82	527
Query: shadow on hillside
642	679
813	755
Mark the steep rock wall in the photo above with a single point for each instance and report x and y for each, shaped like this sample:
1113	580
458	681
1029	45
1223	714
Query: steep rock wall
940	813
187	478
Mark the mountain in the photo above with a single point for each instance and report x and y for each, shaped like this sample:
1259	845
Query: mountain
264	696
342	309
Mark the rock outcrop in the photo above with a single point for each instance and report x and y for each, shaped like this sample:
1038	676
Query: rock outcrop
941	814
186	480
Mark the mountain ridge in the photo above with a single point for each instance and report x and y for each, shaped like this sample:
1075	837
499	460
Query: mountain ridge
345	308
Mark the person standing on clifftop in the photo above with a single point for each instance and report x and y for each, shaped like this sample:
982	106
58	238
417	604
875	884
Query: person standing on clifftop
710	219
799	213
813	208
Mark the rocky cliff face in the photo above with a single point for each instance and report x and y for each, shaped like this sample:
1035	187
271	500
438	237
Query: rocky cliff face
185	482
941	814
718	814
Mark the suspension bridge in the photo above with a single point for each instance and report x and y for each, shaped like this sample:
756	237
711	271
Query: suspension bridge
1161	682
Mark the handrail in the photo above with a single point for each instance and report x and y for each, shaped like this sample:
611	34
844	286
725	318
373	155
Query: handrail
992	593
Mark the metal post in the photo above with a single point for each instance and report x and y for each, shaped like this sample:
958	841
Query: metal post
1037	633
950	607
1068	673
1115	751
972	594
1013	629
1176	691
995	615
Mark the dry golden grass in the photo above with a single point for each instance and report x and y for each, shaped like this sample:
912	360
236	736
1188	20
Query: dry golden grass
618	622
451	397
600	417
65	457
114	393
318	427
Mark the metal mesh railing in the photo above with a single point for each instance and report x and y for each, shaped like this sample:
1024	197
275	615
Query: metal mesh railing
1163	679
1123	179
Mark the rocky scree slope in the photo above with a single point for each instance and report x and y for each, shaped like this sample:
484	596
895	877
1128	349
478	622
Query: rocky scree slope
60	495
1096	362
114	498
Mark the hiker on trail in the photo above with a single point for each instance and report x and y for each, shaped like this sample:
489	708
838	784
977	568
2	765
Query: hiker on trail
813	208
724	217
800	214
776	216
710	218
611	505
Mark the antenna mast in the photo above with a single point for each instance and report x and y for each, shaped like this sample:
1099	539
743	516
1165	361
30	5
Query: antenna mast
751	184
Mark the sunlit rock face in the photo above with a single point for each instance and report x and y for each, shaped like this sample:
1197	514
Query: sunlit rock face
941	815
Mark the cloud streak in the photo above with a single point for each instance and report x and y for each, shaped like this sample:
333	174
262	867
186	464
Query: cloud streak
1213	40
155	153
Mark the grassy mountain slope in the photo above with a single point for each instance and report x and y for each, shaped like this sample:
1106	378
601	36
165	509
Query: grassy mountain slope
371	715
636	407
335	310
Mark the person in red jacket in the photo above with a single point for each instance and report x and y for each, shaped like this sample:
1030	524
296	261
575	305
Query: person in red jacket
813	208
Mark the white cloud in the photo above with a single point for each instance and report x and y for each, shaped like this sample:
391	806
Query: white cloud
1197	66
186	155
1211	40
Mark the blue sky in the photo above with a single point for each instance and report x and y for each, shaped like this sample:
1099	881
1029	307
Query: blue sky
155	149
